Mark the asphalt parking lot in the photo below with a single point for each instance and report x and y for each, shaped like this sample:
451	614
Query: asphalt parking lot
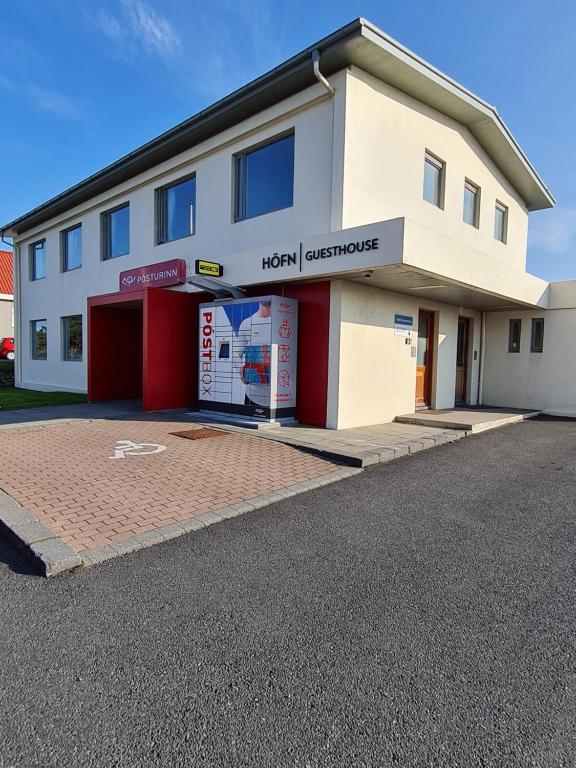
419	614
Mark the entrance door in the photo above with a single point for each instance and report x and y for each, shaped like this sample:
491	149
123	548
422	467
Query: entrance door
462	359
424	358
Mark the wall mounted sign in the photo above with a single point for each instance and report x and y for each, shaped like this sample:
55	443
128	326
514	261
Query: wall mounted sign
209	268
154	276
403	325
302	255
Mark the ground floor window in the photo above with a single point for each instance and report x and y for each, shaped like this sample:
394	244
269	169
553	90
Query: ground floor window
537	343
39	336
514	332
72	337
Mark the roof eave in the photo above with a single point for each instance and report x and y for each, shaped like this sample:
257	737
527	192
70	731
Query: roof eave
340	49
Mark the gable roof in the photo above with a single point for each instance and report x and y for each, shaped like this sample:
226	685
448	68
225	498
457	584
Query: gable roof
359	43
6	275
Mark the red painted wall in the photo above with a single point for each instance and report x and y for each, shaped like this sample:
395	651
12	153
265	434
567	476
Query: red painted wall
115	351
145	344
170	350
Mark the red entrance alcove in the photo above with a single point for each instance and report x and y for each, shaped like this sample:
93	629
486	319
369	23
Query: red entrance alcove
142	344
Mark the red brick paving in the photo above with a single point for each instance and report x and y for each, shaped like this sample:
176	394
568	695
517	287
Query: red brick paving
64	476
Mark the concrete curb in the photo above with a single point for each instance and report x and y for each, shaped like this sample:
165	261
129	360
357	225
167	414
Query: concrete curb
158	535
42	546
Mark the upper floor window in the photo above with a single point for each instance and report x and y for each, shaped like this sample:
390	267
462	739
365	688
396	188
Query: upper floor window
434	170
71	245
39	339
514	331
264	178
176	210
116	232
72	338
537	339
500	222
38	260
471	212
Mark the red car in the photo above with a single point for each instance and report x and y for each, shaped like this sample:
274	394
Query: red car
7	348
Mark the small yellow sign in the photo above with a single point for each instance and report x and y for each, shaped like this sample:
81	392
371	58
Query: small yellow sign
209	268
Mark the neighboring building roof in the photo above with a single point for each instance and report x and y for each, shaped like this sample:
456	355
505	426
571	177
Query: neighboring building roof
359	43
6	274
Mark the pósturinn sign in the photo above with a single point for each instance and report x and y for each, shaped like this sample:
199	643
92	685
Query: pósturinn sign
160	275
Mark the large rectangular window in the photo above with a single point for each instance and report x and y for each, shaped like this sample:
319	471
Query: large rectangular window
500	222
176	210
537	338
38	260
514	332
71	245
434	170
264	179
116	232
39	339
471	213
72	337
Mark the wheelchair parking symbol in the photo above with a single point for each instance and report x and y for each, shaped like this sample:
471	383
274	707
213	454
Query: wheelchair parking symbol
128	448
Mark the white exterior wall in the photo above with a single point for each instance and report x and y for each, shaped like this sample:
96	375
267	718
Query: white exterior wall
387	135
6	317
535	380
310	113
372	371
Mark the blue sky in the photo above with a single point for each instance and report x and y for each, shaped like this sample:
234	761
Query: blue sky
82	83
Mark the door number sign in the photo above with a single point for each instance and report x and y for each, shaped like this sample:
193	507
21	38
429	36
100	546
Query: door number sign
128	448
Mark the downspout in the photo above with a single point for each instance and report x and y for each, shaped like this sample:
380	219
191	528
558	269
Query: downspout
17	303
318	75
480	398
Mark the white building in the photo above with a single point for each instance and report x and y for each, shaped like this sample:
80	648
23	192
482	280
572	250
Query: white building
356	178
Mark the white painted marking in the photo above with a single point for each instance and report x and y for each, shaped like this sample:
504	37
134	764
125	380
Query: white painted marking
128	448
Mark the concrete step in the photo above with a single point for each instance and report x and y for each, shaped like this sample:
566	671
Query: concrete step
469	420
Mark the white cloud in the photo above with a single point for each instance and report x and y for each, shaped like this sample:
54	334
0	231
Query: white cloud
137	28
45	99
554	231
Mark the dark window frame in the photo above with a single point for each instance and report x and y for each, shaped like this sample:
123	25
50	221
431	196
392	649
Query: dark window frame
471	186
239	176
534	346
105	250
32	259
64	248
512	324
161	214
65	334
440	165
498	206
33	332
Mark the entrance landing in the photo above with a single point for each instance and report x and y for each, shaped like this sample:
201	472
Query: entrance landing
467	419
358	446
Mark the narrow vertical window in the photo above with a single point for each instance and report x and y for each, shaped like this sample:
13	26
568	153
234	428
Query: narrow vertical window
176	210
434	170
514	331
264	179
537	339
71	245
500	222
116	232
72	338
38	260
471	213
39	339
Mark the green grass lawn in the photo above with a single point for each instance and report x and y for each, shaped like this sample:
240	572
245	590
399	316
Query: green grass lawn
11	398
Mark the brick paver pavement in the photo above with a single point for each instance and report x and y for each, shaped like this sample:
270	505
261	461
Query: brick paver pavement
64	475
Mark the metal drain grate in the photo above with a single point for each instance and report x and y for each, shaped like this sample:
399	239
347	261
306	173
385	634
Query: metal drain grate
198	434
